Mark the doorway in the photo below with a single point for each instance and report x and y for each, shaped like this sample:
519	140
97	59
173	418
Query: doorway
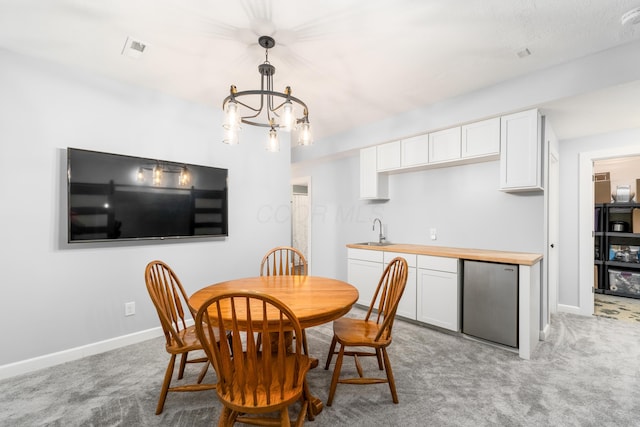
586	223
301	217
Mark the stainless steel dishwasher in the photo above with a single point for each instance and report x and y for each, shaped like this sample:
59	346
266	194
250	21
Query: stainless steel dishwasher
490	302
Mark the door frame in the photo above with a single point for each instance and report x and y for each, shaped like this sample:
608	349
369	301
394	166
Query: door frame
306	181
585	221
553	212
550	271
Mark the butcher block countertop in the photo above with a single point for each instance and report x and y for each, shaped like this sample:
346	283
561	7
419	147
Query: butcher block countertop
521	258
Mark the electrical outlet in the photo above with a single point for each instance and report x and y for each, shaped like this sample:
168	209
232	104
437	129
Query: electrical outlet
129	308
433	234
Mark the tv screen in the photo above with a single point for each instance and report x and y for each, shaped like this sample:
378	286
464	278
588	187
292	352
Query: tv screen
118	197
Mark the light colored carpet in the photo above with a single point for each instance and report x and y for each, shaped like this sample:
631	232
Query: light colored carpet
586	374
615	307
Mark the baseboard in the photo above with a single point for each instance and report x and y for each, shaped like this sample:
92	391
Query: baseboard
48	360
569	309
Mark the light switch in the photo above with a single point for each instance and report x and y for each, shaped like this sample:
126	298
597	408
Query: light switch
433	234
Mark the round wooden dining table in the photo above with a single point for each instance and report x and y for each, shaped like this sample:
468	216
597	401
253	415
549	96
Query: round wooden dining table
314	300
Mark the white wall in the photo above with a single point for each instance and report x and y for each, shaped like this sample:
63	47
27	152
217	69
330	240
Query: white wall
463	203
58	296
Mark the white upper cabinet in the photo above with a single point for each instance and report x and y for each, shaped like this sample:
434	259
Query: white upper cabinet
388	156
515	138
521	151
372	184
415	151
444	145
481	139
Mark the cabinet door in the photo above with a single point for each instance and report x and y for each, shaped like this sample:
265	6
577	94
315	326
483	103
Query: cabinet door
521	151
415	151
444	145
372	184
407	305
364	275
481	138
388	156
438	296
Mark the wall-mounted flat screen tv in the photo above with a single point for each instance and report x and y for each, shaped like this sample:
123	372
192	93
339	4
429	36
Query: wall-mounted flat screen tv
116	197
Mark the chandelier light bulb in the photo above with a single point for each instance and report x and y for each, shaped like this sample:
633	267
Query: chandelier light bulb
287	116
231	116
273	144
140	175
304	134
231	136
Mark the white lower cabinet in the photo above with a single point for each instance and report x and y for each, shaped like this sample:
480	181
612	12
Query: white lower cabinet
432	292
407	305
364	271
438	292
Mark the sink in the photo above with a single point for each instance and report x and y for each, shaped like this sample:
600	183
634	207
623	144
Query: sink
374	243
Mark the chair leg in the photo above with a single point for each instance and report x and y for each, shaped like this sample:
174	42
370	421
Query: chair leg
387	367
183	363
379	357
332	349
304	411
224	417
306	397
336	375
203	372
285	421
165	384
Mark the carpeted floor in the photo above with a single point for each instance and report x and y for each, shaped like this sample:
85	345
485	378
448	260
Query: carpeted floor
614	307
587	373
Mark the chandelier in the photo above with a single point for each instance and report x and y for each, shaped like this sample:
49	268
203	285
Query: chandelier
273	110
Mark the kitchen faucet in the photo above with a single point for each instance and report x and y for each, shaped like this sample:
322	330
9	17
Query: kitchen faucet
380	236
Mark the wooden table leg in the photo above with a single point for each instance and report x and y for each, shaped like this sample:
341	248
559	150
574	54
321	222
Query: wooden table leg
315	404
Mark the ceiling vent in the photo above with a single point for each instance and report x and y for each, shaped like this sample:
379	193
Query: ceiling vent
632	17
133	48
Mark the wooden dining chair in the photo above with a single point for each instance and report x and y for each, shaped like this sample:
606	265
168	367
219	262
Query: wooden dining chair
285	261
168	297
374	331
254	381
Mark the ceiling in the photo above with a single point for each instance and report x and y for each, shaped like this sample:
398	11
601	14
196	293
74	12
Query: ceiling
352	62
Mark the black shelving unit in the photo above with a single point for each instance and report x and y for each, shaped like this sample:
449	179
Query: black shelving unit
616	253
